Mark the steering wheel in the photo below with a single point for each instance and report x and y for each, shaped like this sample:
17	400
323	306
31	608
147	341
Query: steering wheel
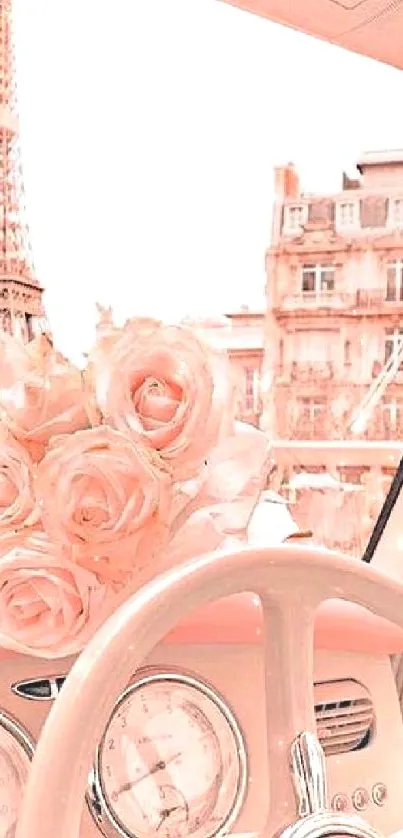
291	582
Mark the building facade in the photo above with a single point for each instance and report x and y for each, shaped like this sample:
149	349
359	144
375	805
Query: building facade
240	334
245	349
334	324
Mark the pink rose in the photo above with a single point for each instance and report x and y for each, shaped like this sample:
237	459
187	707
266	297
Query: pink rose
18	506
166	384
107	497
41	393
49	607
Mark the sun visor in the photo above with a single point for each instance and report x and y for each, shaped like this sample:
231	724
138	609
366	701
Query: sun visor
370	27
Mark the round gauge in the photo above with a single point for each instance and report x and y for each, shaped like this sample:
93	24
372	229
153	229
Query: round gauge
16	751
172	762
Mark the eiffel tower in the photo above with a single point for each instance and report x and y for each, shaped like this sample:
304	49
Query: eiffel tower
21	306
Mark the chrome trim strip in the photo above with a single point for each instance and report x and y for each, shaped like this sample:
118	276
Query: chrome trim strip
52	680
18	732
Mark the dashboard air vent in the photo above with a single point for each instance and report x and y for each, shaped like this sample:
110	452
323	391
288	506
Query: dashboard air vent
345	716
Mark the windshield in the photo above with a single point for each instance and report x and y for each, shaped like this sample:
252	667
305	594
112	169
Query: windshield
159	183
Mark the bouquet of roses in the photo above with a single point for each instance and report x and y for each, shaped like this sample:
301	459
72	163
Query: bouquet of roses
113	474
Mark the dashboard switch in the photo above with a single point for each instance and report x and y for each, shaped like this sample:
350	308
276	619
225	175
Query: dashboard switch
340	803
360	799
379	794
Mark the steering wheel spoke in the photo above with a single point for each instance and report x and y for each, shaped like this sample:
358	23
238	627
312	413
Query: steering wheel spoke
289	629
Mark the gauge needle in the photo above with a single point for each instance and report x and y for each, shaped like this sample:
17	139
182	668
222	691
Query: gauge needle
165	813
159	766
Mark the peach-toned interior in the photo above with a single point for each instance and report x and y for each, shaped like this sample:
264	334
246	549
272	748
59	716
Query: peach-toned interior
222	638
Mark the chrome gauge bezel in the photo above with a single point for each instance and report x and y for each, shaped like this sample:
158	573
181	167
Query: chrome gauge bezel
18	732
328	825
96	799
20	736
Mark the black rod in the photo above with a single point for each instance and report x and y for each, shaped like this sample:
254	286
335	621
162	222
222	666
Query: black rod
384	514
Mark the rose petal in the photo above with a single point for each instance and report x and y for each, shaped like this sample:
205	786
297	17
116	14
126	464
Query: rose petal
49	608
18	506
107	497
41	393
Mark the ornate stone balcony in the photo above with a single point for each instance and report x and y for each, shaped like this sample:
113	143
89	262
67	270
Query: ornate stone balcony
377	299
303	377
324	409
317	371
360	301
313	301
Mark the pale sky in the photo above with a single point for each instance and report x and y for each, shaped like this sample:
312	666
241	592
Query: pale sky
150	129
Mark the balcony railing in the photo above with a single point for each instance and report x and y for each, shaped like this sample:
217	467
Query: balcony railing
309	372
363	299
301	423
335	301
376	298
322	427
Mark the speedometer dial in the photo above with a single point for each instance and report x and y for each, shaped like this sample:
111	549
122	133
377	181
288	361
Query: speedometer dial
16	750
172	762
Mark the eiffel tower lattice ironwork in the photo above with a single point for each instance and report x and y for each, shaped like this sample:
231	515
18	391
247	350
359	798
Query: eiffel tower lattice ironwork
21	306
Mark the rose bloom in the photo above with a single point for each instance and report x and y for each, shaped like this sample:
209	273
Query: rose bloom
107	497
166	384
18	506
41	393
49	607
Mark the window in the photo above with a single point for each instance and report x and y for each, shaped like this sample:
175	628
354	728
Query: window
281	355
311	409
393	414
394	343
346	214
347	353
394	281
251	390
311	418
30	331
318	280
396	212
295	218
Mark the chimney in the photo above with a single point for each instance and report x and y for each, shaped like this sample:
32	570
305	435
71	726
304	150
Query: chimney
286	183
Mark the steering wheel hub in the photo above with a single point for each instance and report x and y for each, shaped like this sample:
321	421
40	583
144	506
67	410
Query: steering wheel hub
308	770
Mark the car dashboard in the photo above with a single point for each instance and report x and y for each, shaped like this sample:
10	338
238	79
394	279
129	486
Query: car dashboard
184	752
